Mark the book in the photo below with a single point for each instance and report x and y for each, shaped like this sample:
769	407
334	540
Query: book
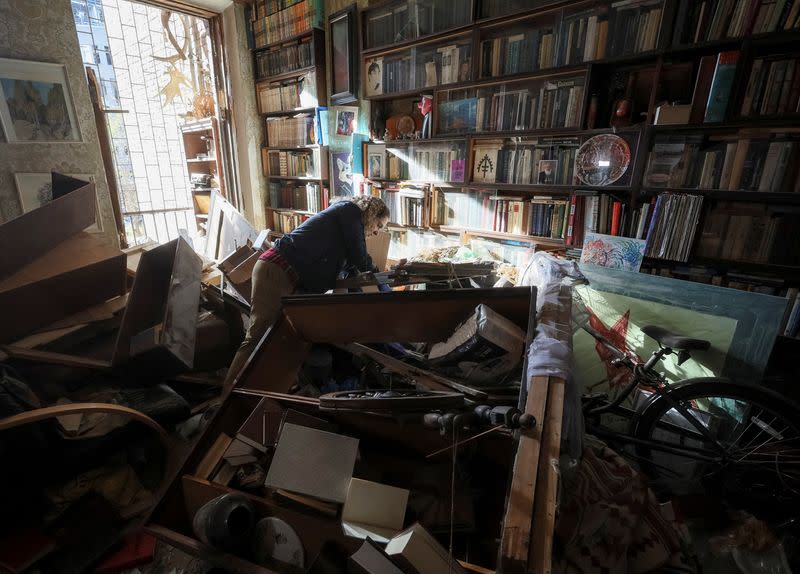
373	510
702	87
416	550
312	462
371	559
721	85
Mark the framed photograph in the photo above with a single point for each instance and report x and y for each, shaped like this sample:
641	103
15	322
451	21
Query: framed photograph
344	54
341	174
346	120
36	189
373	72
547	171
35	103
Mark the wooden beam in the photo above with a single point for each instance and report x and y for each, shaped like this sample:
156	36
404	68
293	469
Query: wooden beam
516	532
46	357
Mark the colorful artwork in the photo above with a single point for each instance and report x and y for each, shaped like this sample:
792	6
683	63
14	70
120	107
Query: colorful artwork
611	251
342	171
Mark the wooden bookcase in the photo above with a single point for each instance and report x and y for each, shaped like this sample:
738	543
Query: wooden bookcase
523	86
291	91
201	146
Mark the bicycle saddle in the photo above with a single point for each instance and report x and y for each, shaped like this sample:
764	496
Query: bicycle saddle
674	341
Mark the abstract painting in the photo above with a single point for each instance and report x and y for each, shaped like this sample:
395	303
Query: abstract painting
35	105
611	251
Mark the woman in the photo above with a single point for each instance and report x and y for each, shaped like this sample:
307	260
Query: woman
309	259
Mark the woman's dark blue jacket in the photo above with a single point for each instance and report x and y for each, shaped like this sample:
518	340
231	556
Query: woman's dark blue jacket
323	245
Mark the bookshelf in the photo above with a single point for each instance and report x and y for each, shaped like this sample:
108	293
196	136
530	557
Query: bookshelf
201	148
699	99
290	82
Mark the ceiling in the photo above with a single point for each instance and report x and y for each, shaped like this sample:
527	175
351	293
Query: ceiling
214	5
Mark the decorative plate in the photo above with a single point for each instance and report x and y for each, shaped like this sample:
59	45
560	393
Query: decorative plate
602	160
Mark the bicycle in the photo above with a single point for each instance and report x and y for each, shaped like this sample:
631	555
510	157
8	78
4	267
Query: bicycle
732	438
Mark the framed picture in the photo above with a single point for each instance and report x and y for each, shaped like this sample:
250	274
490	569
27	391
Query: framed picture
35	103
346	120
36	189
341	174
344	53
373	70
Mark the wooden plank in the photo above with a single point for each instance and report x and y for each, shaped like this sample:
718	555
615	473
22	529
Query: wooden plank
516	531
35	233
544	510
46	357
427	316
32	298
276	360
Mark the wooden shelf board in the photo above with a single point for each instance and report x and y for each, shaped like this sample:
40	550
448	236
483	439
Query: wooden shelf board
291	210
207	160
285	75
297	178
282	113
289	40
310	146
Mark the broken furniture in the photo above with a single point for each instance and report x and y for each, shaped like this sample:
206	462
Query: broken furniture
393	451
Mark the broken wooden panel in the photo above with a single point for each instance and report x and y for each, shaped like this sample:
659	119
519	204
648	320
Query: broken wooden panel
160	321
34	233
79	272
428	316
238	270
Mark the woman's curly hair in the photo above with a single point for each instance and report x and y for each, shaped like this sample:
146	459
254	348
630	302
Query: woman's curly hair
372	208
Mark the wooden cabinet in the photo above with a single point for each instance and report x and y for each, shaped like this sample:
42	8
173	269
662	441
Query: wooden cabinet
202	149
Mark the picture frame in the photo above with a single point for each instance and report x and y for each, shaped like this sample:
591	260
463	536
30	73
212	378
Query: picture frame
346	120
34	189
373	76
343	36
341	171
36	104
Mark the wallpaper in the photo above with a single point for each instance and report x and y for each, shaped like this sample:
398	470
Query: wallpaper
246	120
44	31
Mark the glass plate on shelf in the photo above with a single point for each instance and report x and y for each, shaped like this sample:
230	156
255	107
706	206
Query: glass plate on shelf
602	160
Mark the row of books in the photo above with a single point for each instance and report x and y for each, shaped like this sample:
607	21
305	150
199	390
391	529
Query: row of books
673	226
597	214
285	59
437	165
421	67
773	87
291	21
310	197
301	163
711	20
263	8
754	233
415	18
558	104
286	221
406	206
519	53
288	96
712	89
548	161
292	132
480	210
724	163
548	218
583	38
774	15
633	27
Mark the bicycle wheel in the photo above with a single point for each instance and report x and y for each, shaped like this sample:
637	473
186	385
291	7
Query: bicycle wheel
749	445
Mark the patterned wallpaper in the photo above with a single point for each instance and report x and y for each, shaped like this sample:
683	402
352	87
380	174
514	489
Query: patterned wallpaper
246	121
44	31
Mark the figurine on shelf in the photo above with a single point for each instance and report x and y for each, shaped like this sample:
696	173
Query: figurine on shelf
425	106
622	110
